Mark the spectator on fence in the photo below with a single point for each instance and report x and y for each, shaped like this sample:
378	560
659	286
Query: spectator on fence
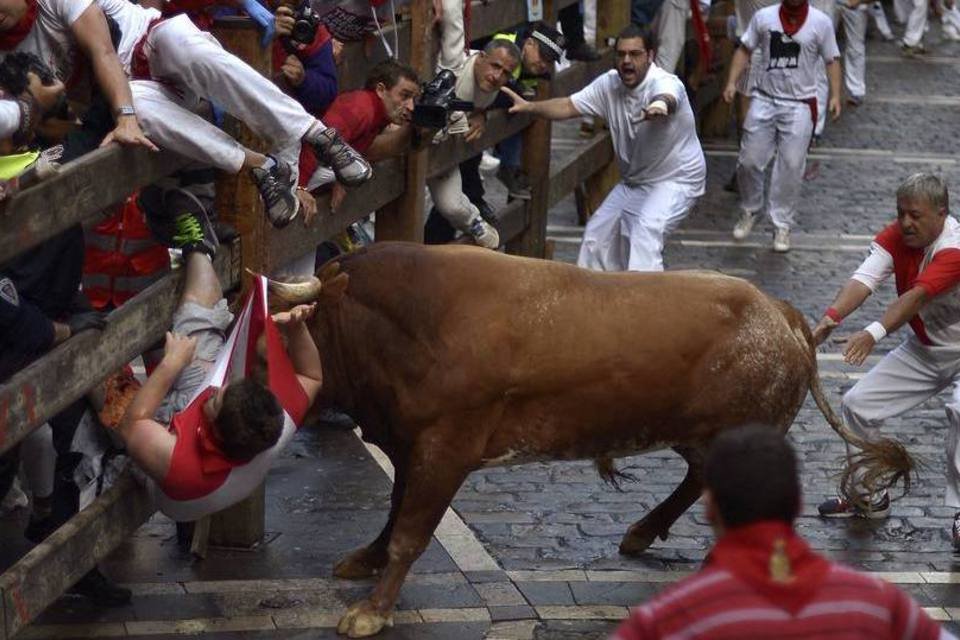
655	140
306	70
761	579
479	76
783	108
191	65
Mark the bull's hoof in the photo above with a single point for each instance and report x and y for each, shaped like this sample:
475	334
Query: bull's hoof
362	620
636	541
362	563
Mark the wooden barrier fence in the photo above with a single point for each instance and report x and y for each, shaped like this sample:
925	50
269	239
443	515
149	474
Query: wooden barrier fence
81	191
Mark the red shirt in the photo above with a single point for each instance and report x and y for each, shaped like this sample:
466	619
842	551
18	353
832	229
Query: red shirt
736	596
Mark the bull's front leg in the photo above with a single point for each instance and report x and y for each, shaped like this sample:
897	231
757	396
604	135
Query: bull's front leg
434	474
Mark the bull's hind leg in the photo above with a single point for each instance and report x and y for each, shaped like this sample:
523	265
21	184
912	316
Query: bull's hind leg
436	468
370	560
641	534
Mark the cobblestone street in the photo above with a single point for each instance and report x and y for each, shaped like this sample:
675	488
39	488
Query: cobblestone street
537	557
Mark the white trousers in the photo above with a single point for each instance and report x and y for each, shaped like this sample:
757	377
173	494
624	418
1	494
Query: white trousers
627	232
823	95
904	378
950	16
901	10
189	64
855	51
781	128
446	190
880	19
916	23
671	30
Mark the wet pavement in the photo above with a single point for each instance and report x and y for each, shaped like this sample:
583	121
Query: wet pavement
537	557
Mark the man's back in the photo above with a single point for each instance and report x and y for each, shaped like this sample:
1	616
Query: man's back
717	604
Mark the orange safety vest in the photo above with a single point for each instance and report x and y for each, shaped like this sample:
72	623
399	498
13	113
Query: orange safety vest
121	258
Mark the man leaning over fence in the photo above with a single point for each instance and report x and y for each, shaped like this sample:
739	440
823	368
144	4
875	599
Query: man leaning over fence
157	77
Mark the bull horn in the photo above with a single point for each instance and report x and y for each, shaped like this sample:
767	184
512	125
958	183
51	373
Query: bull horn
303	292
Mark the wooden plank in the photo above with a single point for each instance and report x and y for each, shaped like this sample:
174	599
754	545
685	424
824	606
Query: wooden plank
295	240
512	221
597	153
51	567
54	381
454	150
612	17
79	192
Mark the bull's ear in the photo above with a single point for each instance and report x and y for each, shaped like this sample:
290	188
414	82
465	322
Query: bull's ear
334	289
330	269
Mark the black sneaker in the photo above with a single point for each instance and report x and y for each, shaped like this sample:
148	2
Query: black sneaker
101	590
177	219
583	52
277	189
350	167
516	182
843	508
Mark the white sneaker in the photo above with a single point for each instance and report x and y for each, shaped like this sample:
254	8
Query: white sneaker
950	33
781	240
489	163
744	225
483	233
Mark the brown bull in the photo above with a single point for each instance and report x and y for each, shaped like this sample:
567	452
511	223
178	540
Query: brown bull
455	358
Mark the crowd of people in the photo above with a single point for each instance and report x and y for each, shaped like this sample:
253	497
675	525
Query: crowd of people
78	74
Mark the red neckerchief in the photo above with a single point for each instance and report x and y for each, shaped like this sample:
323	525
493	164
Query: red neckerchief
212	458
10	39
792	18
772	559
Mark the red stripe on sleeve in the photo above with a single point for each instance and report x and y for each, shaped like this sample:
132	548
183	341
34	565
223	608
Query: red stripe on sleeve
942	274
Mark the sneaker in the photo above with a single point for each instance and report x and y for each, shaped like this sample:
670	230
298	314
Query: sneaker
276	187
583	52
515	181
744	225
950	33
178	220
781	240
350	167
483	233
955	532
489	163
487	212
854	101
101	590
843	508
912	52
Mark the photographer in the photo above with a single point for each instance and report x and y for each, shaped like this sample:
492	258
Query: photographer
304	57
479	77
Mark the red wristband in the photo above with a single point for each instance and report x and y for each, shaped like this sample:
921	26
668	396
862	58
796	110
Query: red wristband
834	315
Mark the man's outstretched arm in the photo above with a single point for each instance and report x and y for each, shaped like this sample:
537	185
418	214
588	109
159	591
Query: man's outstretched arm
303	351
553	109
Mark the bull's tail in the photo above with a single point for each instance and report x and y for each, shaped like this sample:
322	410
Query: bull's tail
877	465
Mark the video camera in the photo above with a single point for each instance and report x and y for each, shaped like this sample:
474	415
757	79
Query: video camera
305	25
437	100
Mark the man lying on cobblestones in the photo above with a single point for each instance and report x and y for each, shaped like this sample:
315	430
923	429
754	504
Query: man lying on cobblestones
655	139
792	38
761	579
922	251
159	74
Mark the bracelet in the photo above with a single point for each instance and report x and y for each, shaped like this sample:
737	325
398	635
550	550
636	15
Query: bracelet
876	330
833	314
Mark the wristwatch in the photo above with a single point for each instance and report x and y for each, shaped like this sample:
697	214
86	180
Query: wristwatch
125	110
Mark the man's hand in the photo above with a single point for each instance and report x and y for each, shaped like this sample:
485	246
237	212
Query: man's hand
729	93
337	50
128	133
296	315
834	108
47	97
337	194
178	350
283	21
85	321
308	204
519	104
859	346
293	71
656	109
478	124
823	329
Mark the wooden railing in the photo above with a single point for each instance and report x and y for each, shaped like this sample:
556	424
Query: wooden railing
105	177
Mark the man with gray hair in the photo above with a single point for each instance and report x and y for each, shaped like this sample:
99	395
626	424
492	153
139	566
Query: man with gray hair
922	250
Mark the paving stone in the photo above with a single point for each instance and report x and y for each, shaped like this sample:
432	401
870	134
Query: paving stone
546	593
515	612
626	594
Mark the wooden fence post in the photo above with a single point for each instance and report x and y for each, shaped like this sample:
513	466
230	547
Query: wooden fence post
403	218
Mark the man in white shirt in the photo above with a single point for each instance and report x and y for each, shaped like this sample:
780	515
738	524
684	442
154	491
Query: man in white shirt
792	38
922	251
157	76
662	168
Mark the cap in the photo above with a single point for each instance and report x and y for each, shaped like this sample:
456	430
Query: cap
552	43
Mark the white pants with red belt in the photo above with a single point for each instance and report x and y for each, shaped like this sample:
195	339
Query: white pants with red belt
627	232
781	128
907	376
187	64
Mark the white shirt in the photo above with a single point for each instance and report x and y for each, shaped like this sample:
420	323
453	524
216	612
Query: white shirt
788	65
51	38
648	151
9	118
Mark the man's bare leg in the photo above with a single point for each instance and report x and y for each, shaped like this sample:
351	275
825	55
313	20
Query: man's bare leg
202	284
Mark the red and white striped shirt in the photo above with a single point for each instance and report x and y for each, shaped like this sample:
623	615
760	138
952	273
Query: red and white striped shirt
936	268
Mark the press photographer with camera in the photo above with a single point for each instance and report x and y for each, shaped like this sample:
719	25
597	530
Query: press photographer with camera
479	75
304	56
